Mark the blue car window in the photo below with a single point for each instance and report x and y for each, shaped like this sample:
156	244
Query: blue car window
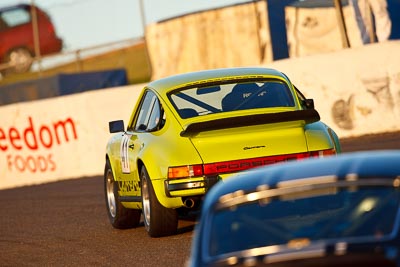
345	214
252	95
205	100
150	113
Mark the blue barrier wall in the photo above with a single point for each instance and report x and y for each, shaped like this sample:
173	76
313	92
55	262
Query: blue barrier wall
61	84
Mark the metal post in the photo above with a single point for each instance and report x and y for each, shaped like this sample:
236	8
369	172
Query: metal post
143	20
342	25
78	60
258	26
370	23
35	29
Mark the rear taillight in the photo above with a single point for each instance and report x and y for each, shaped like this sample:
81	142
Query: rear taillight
323	153
239	165
185	171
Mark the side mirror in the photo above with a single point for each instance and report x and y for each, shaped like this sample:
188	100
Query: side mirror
308	103
116	126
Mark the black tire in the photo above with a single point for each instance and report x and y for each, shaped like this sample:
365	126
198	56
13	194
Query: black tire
158	220
120	217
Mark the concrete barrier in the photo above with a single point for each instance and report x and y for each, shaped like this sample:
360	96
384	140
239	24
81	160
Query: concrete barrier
210	39
357	91
59	138
313	28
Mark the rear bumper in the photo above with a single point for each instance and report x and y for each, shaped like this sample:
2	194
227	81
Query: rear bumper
189	186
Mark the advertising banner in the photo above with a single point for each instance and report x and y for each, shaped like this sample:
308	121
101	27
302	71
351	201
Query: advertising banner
59	138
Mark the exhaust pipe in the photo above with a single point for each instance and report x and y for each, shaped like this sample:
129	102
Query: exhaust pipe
189	203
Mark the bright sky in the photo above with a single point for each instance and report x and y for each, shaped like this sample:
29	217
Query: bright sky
84	23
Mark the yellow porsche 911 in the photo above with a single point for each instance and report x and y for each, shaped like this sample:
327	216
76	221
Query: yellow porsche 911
190	131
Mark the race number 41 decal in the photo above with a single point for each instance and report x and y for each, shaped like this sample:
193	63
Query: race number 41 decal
124	154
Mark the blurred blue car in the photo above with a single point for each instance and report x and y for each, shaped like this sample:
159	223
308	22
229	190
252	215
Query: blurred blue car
336	211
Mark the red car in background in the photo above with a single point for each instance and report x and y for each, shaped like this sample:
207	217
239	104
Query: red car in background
17	46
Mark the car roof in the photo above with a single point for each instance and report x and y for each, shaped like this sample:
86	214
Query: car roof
360	165
164	85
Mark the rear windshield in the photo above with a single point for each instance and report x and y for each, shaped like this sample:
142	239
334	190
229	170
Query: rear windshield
230	97
371	212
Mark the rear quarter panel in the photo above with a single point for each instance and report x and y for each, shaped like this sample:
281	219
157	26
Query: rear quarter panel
161	150
319	137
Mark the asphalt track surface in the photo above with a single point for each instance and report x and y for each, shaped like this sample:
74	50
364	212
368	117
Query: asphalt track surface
65	224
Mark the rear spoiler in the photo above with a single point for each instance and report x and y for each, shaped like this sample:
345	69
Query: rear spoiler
308	116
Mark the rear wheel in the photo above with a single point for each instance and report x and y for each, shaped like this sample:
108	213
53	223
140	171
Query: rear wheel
158	220
120	217
20	60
